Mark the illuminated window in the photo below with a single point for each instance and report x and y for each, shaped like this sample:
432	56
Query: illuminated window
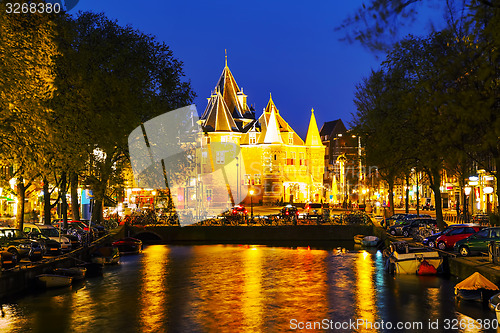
223	139
257	179
247	179
302	159
290	138
220	158
253	139
204	156
207	140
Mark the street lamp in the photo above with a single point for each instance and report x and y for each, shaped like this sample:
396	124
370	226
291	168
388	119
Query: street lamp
251	192
467	190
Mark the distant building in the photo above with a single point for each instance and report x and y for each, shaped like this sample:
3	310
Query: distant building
278	165
344	174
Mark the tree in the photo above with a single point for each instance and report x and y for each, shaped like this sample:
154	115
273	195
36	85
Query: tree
26	84
111	80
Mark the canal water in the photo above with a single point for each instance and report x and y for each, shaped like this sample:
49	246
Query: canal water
231	288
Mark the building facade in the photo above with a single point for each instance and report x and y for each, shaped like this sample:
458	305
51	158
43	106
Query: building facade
270	163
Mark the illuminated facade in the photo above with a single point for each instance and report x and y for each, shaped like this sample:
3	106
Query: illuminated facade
274	161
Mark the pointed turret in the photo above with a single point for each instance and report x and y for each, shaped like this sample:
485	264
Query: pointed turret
235	99
313	138
217	116
272	134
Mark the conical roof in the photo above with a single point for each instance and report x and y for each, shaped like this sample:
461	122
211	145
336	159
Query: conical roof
217	116
313	138
272	134
476	281
229	90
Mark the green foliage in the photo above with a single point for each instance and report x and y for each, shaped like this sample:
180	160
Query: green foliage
111	80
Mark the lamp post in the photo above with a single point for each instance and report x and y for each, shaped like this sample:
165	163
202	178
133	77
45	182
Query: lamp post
251	192
467	190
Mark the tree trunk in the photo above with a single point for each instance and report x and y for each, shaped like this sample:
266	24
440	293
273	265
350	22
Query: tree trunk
418	194
435	180
64	202
75	207
391	195
46	202
20	194
407	201
97	210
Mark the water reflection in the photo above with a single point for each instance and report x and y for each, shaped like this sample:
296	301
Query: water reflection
153	297
365	292
218	288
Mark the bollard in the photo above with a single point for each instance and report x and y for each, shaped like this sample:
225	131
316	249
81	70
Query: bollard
493	252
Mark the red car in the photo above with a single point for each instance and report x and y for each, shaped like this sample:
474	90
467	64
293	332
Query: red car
450	237
239	210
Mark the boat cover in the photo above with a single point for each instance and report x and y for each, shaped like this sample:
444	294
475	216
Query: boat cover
476	281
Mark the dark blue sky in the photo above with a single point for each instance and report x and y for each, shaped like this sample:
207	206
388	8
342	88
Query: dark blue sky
287	48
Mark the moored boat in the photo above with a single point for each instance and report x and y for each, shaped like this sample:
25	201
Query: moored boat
358	239
77	273
107	255
92	268
54	280
128	245
406	260
370	241
475	288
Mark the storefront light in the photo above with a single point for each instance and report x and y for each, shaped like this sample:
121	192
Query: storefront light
488	190
467	190
473	178
473	183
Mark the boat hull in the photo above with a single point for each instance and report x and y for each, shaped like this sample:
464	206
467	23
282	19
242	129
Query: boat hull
409	263
54	281
77	273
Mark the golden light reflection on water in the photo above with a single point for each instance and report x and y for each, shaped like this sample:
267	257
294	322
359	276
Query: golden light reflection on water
252	306
264	290
153	296
365	291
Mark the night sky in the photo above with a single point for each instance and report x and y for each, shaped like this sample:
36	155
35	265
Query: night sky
287	48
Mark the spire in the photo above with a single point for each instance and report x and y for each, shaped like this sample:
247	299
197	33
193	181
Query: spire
313	138
225	52
272	129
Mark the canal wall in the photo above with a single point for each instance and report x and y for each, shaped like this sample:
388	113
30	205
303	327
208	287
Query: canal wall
246	234
23	277
464	267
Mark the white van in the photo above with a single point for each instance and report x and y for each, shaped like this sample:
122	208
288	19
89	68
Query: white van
48	231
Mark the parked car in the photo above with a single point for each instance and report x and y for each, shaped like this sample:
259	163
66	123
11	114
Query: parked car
313	210
50	232
400	223
410	229
16	242
239	210
49	246
477	242
7	259
98	229
431	240
75	228
289	211
447	240
481	219
392	220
